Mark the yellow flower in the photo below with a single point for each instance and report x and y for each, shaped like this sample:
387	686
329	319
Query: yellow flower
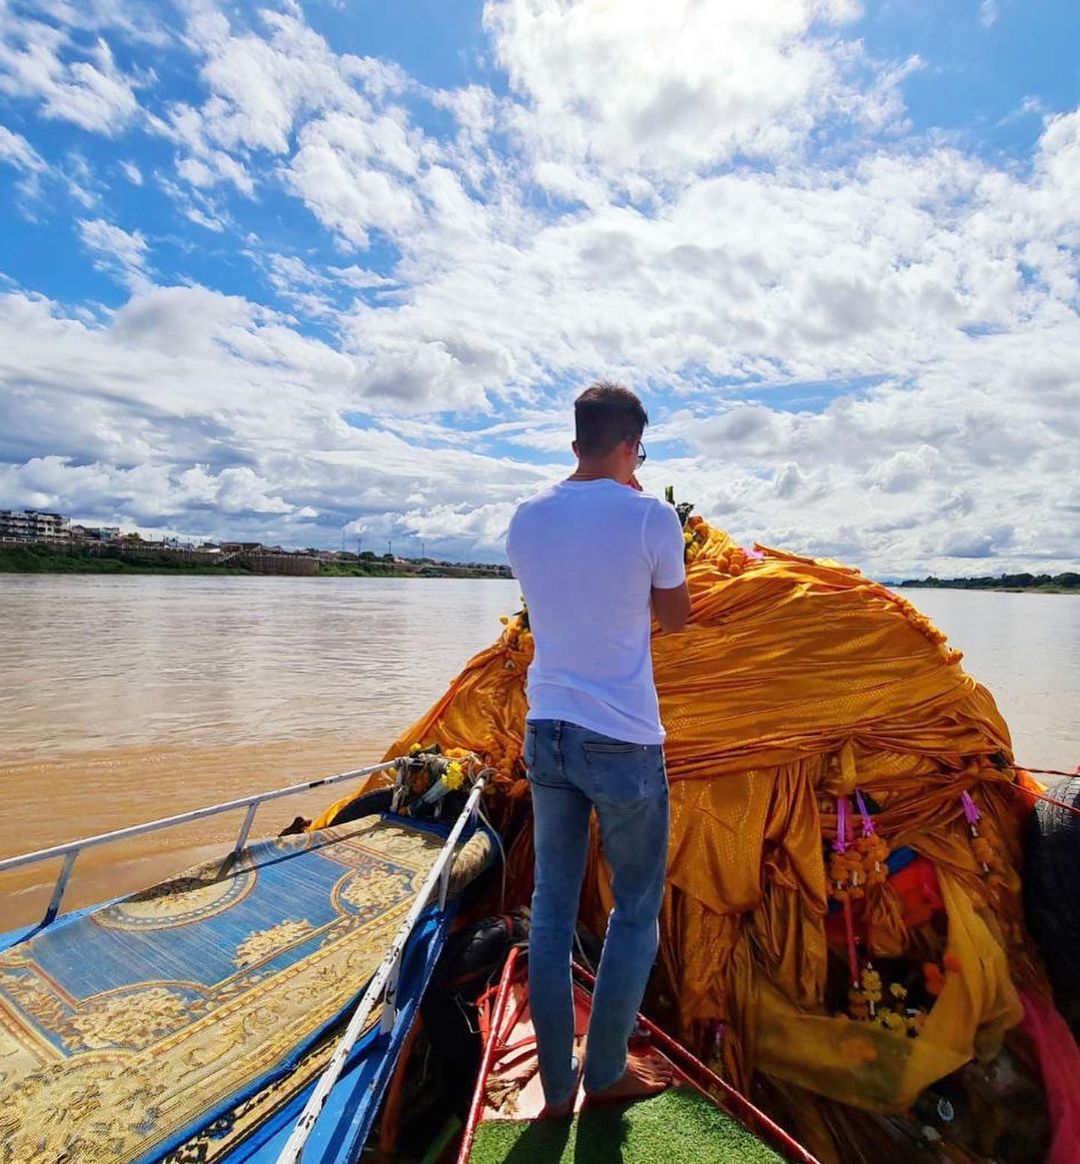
454	776
414	749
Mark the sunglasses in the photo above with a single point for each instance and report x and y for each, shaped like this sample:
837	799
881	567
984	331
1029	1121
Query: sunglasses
641	454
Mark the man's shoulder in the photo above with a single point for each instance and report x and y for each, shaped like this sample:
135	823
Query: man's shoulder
530	505
545	493
651	506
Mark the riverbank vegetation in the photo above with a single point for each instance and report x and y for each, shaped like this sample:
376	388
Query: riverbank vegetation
42	558
1068	583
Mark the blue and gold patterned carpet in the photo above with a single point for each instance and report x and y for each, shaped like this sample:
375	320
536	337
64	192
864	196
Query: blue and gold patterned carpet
127	1030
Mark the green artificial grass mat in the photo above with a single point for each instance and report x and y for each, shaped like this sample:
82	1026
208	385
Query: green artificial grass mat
676	1125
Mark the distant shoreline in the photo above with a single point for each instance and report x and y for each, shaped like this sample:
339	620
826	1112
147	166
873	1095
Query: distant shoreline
1007	584
37	559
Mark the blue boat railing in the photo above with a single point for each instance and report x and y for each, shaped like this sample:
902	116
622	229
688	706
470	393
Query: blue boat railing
71	849
384	982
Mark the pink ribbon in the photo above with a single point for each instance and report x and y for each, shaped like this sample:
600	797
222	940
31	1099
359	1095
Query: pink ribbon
971	810
841	842
867	819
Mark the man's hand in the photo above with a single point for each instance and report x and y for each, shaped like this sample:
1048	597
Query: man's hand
671	607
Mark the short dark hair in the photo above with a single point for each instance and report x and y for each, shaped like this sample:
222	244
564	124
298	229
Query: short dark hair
604	414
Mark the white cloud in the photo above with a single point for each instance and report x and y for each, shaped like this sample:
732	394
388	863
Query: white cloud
81	85
718	202
988	13
18	152
339	172
203	412
116	251
132	172
665	88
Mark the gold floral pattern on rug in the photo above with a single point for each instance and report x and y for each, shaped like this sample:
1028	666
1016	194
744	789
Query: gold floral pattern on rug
67	1112
372	891
133	1019
265	943
35	997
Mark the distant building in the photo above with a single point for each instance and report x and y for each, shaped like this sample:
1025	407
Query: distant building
95	533
34	525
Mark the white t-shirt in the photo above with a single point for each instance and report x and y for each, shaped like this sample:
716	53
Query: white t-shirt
587	554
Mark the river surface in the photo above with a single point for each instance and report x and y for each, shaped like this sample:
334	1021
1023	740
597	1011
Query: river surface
125	699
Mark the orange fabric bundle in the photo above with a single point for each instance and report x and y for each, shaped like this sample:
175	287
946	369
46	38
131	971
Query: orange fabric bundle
799	681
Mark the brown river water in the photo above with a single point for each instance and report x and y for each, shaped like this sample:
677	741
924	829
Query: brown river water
126	699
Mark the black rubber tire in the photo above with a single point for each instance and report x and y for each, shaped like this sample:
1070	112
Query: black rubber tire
369	804
1052	885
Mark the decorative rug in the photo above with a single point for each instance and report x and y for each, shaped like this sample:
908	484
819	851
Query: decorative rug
126	1030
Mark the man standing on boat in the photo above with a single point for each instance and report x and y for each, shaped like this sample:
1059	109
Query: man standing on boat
596	558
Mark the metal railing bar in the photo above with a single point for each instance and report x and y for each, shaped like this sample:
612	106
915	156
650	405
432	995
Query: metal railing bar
59	887
390	1008
293	1151
185	817
444	887
241	840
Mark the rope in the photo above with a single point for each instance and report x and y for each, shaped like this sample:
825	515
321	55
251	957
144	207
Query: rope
1045	796
1044	771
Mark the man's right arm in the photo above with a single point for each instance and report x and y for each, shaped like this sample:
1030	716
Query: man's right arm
671	607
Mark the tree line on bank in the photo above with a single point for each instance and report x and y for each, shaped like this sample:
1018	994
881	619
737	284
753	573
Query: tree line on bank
1044	582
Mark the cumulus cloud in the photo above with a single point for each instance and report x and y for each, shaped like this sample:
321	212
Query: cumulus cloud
666	88
853	339
190	406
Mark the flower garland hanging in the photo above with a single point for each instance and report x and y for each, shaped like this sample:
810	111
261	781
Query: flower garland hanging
889	1008
517	635
428	773
855	865
988	857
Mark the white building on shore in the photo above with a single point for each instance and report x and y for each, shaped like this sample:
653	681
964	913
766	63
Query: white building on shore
34	525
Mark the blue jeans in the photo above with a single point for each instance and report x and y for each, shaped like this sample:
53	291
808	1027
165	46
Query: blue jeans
573	770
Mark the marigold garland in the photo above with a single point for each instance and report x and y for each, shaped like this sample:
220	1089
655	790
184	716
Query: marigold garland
855	865
988	857
868	1002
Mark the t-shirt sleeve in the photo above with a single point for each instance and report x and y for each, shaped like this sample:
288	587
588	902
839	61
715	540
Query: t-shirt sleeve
664	546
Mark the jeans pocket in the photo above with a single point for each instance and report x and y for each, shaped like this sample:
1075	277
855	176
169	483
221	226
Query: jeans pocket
617	775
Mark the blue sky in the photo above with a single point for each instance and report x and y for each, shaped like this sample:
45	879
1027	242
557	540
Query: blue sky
268	271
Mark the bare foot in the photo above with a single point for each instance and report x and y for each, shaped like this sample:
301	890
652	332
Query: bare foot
567	1108
560	1112
646	1074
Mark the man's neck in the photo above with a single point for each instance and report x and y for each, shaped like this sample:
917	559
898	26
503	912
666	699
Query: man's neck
594	472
